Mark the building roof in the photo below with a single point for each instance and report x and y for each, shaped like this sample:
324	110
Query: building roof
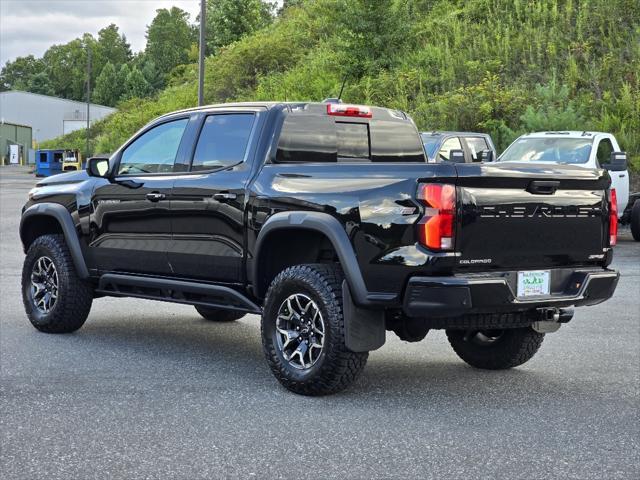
66	100
3	122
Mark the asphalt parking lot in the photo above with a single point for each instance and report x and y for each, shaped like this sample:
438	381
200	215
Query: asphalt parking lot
150	390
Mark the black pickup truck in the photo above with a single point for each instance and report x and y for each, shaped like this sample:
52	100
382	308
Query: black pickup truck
326	220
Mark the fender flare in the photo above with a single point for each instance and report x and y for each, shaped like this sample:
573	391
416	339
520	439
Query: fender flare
333	230
363	311
63	217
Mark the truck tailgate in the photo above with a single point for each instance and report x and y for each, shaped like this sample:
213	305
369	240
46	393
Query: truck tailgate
525	215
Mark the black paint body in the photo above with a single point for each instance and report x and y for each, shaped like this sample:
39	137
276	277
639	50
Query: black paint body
188	232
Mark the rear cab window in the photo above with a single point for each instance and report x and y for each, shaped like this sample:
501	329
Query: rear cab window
312	136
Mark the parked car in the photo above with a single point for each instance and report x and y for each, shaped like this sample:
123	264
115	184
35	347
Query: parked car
583	149
326	220
475	147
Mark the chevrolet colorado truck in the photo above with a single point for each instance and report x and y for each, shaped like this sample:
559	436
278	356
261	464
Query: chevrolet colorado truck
327	220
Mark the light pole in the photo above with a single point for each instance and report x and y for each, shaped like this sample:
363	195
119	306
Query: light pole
88	92
203	22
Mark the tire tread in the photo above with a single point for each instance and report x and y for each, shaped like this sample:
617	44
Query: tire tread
342	366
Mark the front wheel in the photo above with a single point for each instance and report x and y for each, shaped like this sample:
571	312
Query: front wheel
55	299
303	331
495	349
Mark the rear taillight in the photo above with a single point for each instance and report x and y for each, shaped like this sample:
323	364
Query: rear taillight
344	110
437	227
613	217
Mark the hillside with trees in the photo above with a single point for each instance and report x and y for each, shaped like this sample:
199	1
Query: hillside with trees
498	66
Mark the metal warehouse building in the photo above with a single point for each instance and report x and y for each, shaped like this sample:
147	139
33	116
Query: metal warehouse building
15	142
48	117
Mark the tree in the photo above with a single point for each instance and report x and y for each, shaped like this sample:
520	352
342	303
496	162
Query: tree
112	47
16	75
40	83
230	20
374	34
67	67
109	88
152	75
168	39
135	86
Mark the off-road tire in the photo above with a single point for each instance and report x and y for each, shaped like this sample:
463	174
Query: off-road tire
635	221
336	367
218	314
514	347
75	295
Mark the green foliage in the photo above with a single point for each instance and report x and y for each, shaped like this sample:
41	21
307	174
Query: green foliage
169	38
112	47
499	66
67	67
230	20
40	83
108	89
16	75
135	86
553	109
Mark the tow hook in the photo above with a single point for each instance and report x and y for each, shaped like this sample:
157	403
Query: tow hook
551	318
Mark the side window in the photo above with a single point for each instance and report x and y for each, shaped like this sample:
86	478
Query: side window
476	145
154	151
353	141
603	155
449	144
223	141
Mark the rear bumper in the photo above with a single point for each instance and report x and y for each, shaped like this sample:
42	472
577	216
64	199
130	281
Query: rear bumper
494	292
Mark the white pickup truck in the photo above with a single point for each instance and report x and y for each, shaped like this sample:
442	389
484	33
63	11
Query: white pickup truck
585	149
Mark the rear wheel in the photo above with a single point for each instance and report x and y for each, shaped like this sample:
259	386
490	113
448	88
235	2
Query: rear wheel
55	299
303	331
495	349
635	221
218	314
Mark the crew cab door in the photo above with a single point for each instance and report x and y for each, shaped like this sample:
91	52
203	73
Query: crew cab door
208	203
130	221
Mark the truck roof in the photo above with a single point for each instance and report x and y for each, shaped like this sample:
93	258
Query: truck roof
295	105
562	134
437	133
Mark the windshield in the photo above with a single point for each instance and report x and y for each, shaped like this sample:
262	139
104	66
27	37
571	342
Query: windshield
557	150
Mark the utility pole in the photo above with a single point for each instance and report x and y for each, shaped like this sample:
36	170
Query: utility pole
88	92
203	23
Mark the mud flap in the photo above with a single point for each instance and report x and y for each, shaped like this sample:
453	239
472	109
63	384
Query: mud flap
363	329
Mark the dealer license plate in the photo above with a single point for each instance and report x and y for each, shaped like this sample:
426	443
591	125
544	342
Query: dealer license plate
533	283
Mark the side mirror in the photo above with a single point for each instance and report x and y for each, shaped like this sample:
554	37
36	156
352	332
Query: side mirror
617	162
456	156
486	156
98	167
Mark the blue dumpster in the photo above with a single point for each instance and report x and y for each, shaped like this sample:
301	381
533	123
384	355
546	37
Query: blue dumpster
48	162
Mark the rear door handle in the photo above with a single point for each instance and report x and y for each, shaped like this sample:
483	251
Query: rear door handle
224	196
155	196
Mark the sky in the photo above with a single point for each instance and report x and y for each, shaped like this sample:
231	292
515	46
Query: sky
32	26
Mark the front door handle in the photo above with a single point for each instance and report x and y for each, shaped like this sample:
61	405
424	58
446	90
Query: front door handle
224	196
155	196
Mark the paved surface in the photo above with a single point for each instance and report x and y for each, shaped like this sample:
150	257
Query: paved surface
148	390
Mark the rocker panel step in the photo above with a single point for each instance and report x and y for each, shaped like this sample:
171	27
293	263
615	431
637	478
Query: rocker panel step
176	291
